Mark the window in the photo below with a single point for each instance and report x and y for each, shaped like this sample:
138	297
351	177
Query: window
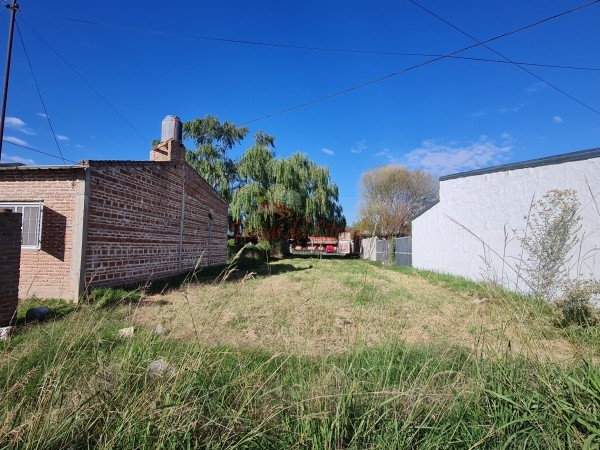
31	228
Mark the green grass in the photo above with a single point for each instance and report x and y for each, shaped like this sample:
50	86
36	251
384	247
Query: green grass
452	282
58	308
71	383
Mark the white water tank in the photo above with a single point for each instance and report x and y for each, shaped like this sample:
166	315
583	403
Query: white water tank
171	129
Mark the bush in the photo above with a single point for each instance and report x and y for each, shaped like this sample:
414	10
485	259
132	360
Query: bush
575	305
265	246
231	248
552	231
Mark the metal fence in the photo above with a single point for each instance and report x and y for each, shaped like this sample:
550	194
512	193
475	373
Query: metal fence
380	250
384	247
403	251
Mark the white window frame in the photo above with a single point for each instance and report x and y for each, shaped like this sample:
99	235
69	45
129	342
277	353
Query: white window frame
18	207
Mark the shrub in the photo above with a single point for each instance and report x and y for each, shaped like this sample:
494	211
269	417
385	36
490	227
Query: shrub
265	246
231	248
575	305
552	231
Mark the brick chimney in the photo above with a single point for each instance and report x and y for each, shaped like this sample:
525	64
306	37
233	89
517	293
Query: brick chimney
171	146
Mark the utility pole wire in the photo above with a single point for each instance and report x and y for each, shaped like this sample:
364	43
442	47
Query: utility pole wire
39	151
505	57
88	84
39	93
321	49
416	66
13	9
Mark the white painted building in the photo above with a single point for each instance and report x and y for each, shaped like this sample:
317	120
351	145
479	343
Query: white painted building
470	231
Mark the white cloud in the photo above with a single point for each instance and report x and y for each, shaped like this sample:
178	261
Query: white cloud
62	137
15	123
386	153
558	119
537	86
444	159
509	109
359	146
42	115
16	140
79	146
19	159
480	113
328	152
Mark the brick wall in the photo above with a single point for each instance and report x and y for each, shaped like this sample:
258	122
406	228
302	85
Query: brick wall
47	272
134	227
10	256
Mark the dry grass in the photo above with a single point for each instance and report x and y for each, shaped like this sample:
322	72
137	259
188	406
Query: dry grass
331	306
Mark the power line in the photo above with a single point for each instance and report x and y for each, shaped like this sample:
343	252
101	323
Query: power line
325	49
499	61
39	92
508	59
146	140
416	66
38	151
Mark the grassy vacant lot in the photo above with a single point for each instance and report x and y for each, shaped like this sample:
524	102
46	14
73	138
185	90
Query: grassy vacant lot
311	306
304	353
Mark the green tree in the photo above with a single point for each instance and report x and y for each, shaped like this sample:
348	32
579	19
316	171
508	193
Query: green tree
213	140
391	194
284	198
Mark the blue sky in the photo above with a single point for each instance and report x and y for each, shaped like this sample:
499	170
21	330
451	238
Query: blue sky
146	60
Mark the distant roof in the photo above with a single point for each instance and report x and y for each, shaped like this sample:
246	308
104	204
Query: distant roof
323	240
557	159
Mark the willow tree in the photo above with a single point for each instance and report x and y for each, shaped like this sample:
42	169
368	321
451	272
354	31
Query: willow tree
392	194
213	140
289	198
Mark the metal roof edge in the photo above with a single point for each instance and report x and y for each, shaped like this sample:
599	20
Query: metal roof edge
546	161
55	167
424	210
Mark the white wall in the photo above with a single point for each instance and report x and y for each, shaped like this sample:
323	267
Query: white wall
487	208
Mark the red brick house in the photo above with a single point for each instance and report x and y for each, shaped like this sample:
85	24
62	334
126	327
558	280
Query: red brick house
108	223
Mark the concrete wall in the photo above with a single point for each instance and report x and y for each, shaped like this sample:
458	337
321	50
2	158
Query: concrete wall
10	256
51	271
470	231
150	220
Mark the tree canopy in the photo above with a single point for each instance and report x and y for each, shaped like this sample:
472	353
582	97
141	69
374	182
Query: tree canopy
391	194
271	198
213	140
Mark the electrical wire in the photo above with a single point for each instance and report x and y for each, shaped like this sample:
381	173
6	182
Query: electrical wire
39	91
324	49
104	99
39	151
506	58
416	66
